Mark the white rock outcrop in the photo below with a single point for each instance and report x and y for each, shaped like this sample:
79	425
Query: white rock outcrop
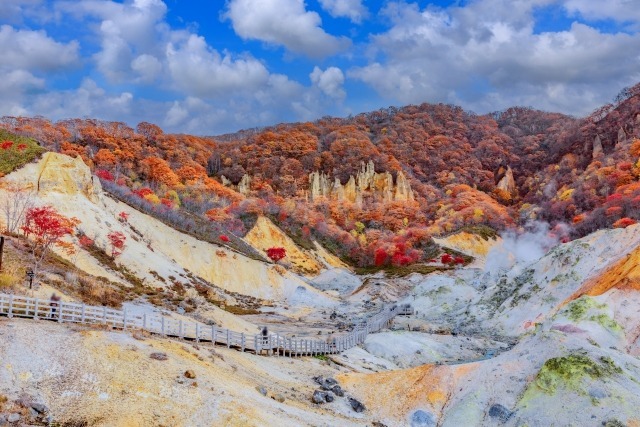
365	183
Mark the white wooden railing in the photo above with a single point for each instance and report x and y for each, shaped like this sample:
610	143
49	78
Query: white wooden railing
273	344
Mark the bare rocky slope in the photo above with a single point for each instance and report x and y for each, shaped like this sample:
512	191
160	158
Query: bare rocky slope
541	340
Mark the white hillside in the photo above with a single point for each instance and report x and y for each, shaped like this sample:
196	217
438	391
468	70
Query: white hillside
67	184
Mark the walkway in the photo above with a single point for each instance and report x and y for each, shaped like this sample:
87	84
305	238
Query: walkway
273	344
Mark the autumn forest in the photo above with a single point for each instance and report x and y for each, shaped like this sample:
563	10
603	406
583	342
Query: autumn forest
376	187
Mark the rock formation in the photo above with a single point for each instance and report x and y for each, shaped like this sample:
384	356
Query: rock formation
244	186
365	182
597	147
622	136
507	183
57	173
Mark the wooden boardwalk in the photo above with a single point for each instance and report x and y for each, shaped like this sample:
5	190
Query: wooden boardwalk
273	344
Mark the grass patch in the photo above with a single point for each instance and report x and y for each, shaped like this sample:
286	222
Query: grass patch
16	151
606	322
578	309
103	258
570	370
483	231
234	309
8	281
401	271
321	357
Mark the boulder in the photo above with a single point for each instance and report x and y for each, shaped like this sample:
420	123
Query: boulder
278	398
262	390
357	405
337	390
326	384
422	418
319	397
500	413
189	374
13	418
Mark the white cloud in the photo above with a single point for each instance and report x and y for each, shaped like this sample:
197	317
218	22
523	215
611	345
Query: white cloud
329	81
88	100
488	51
352	9
147	66
201	71
131	34
34	50
286	23
619	10
15	11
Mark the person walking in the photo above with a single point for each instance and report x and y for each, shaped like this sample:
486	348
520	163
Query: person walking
55	301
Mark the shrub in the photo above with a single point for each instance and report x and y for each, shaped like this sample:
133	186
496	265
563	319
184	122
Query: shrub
380	257
116	241
276	254
104	174
624	222
7	280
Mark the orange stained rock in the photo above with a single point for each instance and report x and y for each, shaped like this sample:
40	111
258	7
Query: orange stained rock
624	274
397	393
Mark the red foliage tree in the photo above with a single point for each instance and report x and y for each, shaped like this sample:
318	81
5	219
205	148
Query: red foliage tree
85	241
123	216
116	241
446	259
276	254
104	174
380	257
142	192
46	228
224	238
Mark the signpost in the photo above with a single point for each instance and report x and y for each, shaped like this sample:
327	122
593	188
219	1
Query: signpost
30	275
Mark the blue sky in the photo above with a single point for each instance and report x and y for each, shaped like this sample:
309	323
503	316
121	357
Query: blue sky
214	66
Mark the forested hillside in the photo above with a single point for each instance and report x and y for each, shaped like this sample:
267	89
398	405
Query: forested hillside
436	169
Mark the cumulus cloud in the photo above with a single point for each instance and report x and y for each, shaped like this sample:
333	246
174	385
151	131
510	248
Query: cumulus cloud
148	67
352	9
202	71
34	50
286	23
88	100
619	10
329	81
15	11
488	52
132	35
